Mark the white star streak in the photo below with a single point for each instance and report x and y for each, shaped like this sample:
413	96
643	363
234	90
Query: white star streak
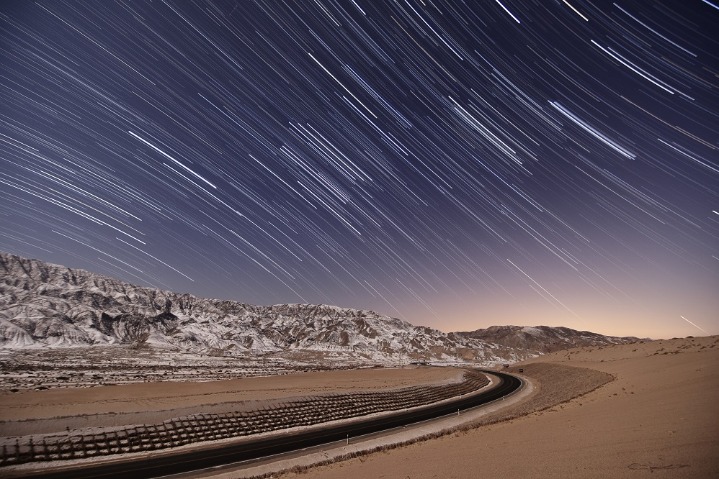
156	259
508	12
700	329
542	288
171	158
592	131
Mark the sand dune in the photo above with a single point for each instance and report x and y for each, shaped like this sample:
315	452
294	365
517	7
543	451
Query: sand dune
657	418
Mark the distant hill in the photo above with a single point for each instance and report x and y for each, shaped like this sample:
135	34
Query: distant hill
542	339
45	305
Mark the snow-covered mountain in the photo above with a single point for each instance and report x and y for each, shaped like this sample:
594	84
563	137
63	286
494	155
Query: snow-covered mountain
45	305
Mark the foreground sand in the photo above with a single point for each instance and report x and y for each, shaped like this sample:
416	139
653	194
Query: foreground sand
658	418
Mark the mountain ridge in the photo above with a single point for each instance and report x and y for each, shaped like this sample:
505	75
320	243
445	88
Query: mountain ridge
47	305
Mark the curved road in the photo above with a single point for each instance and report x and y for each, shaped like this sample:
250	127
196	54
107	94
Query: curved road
201	458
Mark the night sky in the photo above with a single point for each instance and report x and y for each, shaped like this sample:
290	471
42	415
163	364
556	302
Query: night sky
455	164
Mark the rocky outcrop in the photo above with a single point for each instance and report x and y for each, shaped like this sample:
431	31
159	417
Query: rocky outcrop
48	305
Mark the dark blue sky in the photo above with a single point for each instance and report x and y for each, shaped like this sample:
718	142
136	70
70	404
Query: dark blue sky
455	164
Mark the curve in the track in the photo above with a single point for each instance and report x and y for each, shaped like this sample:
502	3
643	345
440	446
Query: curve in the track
160	465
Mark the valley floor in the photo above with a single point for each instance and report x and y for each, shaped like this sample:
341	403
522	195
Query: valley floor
47	411
657	418
629	411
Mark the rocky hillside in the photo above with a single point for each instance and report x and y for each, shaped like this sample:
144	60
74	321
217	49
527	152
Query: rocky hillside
48	305
542	339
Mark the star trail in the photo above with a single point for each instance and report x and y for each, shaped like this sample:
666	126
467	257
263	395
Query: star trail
455	164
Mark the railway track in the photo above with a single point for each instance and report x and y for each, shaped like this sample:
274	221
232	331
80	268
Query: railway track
411	405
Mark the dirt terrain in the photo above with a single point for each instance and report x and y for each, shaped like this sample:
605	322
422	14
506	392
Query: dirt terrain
657	418
617	411
32	412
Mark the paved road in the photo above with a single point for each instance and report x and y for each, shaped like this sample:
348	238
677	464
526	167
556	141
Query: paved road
200	458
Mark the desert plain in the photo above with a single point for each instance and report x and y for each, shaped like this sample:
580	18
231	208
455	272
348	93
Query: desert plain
52	410
658	417
647	409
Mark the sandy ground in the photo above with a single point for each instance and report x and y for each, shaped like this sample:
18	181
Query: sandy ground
639	410
567	383
658	418
31	412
